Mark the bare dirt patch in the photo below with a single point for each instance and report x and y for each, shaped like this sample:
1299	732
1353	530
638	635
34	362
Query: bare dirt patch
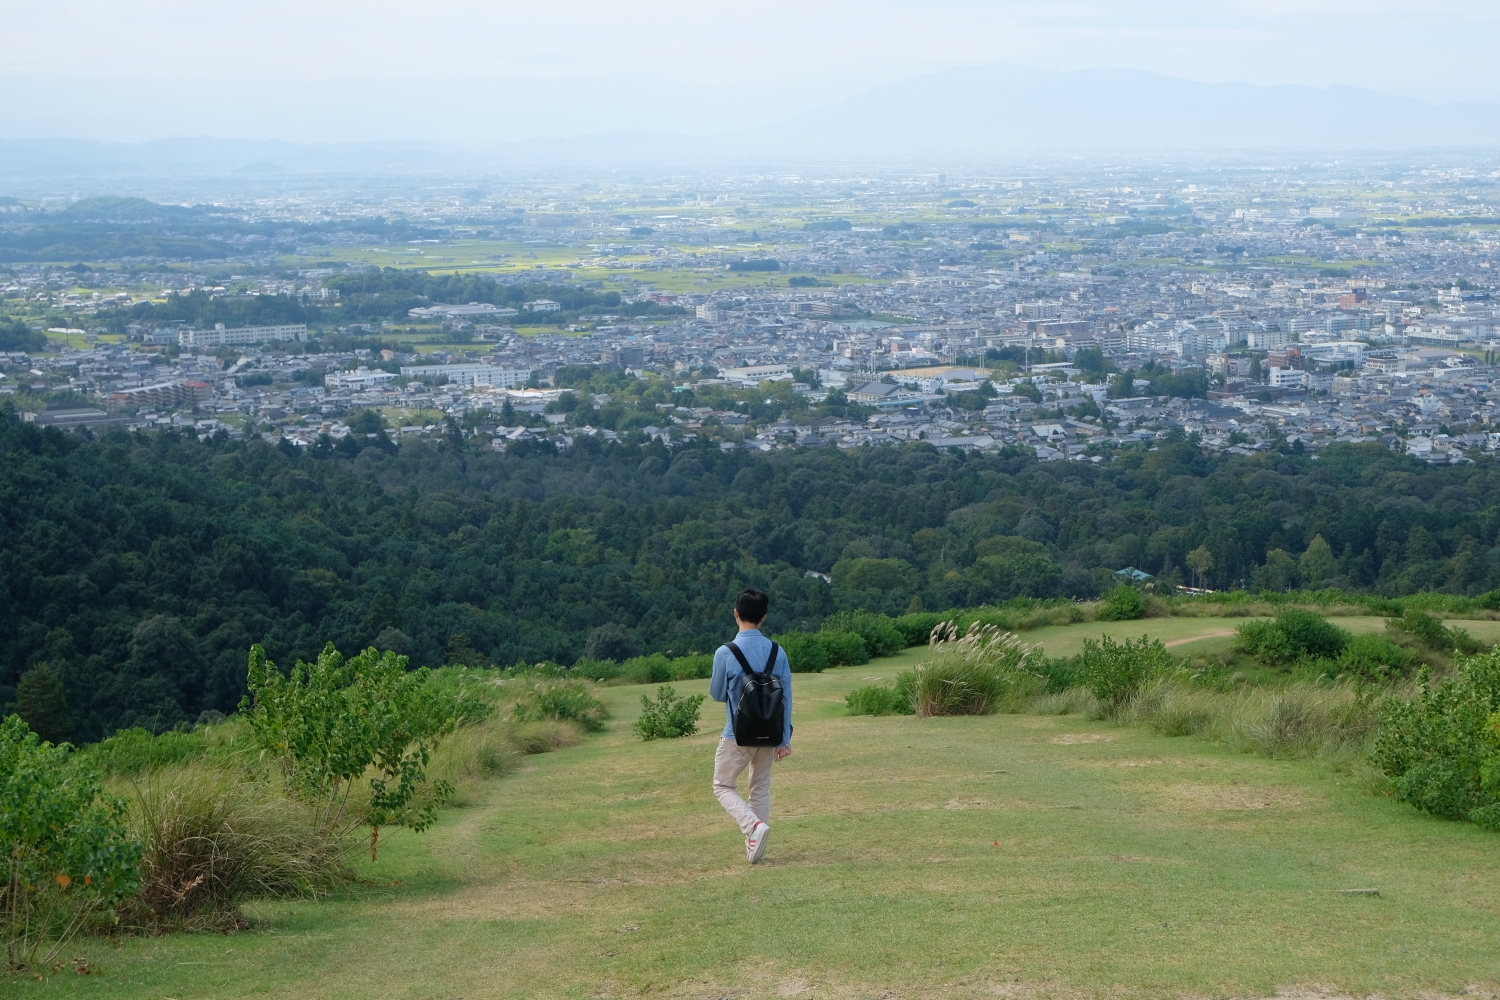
1219	634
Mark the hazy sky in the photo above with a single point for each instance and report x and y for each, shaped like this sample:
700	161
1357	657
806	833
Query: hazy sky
340	69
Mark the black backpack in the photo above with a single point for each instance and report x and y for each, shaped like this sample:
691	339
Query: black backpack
760	720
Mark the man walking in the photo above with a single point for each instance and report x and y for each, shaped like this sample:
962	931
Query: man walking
740	667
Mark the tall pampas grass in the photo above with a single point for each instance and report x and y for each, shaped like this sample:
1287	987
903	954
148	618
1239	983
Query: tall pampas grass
981	673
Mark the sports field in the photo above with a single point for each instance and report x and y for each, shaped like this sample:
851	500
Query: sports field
1014	855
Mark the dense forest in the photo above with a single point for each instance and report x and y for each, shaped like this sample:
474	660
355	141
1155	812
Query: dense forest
141	567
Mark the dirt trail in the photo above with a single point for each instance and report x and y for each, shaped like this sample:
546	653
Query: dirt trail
1196	638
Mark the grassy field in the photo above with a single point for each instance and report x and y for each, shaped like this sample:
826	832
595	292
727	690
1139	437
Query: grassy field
994	856
511	258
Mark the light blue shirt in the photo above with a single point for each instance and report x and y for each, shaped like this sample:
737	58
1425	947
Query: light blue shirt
725	684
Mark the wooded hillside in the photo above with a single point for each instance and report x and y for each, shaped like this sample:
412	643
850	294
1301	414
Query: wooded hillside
142	567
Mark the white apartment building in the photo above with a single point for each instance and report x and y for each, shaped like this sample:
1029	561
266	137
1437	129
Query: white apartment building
1040	309
1452	338
1197	342
473	310
1288	378
471	374
1337	351
242	335
1149	338
756	374
360	378
1267	340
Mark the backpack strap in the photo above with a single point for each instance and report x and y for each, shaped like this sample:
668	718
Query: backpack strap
745	664
738	655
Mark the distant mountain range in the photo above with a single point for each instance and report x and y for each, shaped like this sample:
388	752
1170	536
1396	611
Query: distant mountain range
1011	111
999	114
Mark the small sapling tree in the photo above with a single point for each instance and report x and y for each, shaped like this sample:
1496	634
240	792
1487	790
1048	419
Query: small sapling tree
330	723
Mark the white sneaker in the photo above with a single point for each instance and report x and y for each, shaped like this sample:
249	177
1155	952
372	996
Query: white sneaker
755	844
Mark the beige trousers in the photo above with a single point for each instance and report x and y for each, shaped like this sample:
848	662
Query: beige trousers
730	761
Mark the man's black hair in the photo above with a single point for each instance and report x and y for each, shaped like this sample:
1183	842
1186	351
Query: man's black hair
751	605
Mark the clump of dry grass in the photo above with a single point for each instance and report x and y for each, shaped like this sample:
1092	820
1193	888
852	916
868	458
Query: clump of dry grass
982	673
1302	720
494	747
1070	701
213	840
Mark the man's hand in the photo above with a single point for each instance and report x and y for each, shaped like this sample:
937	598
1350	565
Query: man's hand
783	751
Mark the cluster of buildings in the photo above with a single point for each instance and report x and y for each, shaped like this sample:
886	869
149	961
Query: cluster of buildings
1311	311
1436	403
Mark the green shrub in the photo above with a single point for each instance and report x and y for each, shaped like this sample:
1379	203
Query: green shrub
880	700
333	723
917	628
132	752
692	668
595	670
67	851
880	635
1310	634
1442	748
1009	616
1060	673
669	716
653	669
843	649
1122	603
1264	641
1375	658
1448	787
804	651
1421	626
1067	615
1432	633
1115	672
1293	634
984	672
568	701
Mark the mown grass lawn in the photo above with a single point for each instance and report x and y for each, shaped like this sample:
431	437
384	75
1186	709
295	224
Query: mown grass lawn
1007	855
